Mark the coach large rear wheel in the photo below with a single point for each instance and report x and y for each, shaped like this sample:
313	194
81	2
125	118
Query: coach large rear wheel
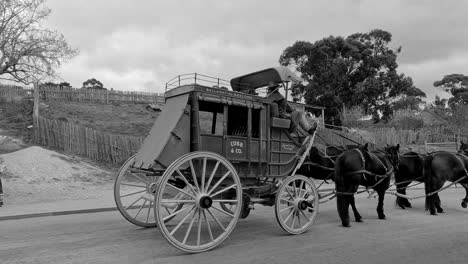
201	223
134	195
296	205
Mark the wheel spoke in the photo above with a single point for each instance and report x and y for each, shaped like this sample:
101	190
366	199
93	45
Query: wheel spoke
190	226
140	179
141	207
285	200
208	226
181	221
126	208
166	201
194	175
222	211
289	193
219	182
289	215
185	181
293	219
302	189
287	208
202	185
299	219
216	219
134	185
171	215
224	201
306	191
295	189
149	210
211	176
199	228
223	190
182	191
308	219
132	193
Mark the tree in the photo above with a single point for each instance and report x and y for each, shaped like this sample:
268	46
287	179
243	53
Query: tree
61	85
28	51
359	70
457	85
93	84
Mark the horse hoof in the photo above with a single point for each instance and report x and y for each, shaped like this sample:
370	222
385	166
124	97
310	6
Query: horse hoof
359	220
401	206
408	205
433	213
463	204
382	217
346	224
440	210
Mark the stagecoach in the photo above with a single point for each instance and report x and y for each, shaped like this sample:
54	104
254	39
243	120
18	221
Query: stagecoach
212	154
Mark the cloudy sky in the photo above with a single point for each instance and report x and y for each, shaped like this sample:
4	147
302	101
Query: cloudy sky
139	45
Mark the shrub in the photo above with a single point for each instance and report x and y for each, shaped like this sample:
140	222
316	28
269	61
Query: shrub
351	117
406	119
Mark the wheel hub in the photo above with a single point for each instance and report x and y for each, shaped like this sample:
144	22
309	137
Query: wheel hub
205	202
152	187
300	204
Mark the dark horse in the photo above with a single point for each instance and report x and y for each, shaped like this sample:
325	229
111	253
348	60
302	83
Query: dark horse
440	167
360	167
321	166
410	169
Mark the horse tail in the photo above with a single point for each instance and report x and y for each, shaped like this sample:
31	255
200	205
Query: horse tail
428	180
342	201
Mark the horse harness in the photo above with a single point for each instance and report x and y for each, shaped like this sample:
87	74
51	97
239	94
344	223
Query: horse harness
364	172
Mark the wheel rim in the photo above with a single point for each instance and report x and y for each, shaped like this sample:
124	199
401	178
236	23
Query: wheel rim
297	203
134	195
201	222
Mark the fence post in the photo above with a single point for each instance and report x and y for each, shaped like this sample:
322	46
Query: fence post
107	96
36	112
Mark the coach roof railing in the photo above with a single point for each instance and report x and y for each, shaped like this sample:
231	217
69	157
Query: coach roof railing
196	78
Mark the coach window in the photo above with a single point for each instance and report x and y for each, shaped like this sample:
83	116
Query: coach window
238	117
211	118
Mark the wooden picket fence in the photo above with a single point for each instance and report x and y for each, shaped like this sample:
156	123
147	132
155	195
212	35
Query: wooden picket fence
49	93
10	92
393	136
85	141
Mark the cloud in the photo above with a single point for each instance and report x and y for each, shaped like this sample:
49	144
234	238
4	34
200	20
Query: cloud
139	45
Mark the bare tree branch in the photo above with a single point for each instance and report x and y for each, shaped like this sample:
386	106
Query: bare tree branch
29	52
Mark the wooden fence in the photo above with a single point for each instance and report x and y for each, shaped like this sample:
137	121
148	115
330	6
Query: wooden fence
85	141
10	92
48	93
392	136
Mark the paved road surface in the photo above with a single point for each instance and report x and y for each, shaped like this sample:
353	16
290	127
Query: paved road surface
408	236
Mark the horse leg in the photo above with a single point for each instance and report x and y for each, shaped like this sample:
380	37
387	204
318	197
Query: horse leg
437	203
342	204
380	210
1	193
357	216
401	201
465	200
429	185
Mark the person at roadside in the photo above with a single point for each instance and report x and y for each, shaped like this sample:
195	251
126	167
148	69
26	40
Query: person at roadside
281	108
2	169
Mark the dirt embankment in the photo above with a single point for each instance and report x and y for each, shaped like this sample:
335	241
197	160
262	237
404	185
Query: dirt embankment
35	174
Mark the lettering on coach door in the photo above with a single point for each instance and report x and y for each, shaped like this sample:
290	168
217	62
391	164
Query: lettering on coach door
236	148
